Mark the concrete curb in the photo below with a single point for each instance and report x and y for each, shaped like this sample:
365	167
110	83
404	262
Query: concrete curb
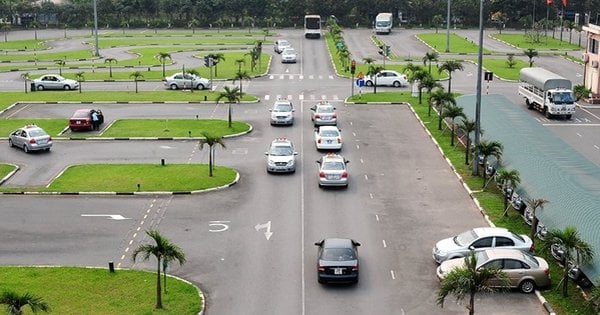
10	174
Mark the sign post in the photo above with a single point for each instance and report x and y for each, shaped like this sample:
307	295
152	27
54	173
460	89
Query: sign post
488	76
352	71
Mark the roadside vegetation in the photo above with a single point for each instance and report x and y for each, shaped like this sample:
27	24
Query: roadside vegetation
521	41
458	44
5	169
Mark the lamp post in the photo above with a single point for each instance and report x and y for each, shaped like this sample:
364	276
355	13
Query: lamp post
478	95
96	52
448	28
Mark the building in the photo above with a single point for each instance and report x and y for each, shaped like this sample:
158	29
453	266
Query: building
591	58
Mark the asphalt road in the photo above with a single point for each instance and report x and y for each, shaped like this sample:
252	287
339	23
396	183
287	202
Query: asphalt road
402	198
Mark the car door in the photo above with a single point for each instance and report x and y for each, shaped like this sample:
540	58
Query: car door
494	264
515	270
383	79
19	138
51	82
503	242
482	243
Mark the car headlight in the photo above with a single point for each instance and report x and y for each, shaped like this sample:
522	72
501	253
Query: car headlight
271	163
290	162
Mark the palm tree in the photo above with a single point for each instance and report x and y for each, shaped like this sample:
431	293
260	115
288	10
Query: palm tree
439	98
162	57
61	63
450	66
216	58
509	180
593	301
110	62
232	96
26	77
241	76
436	21
530	53
469	280
80	78
428	83
193	24
451	112
420	76
171	254
571	242
430	57
487	149
373	71
467	126
368	61
533	204
163	250
15	302
211	141
136	76
239	62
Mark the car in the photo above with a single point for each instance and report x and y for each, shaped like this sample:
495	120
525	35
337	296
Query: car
282	112
280	45
328	138
82	119
575	272
337	260
30	138
479	239
185	81
387	77
281	156
333	170
323	113
288	55
524	271
54	82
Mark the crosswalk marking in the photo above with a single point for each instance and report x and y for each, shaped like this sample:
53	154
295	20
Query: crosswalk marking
301	77
302	97
298	76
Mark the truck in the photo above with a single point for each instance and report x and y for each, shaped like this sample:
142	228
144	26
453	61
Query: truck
547	92
384	23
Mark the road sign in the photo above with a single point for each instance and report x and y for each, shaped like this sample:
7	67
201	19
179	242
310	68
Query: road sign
489	76
339	45
360	82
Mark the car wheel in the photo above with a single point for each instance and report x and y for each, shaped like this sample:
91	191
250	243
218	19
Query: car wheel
173	86
10	144
47	149
369	83
321	281
527	286
200	86
66	87
397	84
25	148
39	88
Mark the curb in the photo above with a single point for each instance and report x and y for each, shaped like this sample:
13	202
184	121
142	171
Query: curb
10	174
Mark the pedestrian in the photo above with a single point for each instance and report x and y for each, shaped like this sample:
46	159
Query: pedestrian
95	120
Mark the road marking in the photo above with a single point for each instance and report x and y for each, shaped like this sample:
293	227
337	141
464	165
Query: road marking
578	134
361	161
384	244
366	177
354	133
301	97
221	224
357	146
266	226
300	77
393	274
595	146
371	195
267	97
377	217
110	216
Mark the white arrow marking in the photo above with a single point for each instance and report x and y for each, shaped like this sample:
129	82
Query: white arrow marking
110	216
267	226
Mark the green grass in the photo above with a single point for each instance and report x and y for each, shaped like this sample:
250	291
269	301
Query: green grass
173	128
257	32
458	44
549	43
27	44
71	290
5	169
174	41
499	67
52	126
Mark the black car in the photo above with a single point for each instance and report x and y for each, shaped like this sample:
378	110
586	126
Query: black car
337	260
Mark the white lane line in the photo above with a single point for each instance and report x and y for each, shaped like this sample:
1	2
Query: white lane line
350	123
595	146
354	133
578	134
377	217
384	244
371	195
303	285
366	177
361	161
393	274
357	146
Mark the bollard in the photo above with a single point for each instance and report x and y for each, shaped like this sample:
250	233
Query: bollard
196	116
162	162
111	266
138	185
205	98
189	134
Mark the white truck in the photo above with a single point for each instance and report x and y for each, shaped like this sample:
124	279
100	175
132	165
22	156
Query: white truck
384	23
547	92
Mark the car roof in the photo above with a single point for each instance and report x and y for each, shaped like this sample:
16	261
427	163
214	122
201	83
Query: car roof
496	253
281	142
282	101
328	128
333	156
492	231
337	243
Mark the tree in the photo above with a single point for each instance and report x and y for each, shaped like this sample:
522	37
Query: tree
439	98
593	301
421	76
450	66
368	61
136	77
469	279
232	96
429	58
110	62
241	76
428	83
437	20
26	77
239	62
61	63
211	141
451	112
487	149
217	57
530	53
162	57
533	204
80	78
467	126
571	242
14	302
163	249
193	24
510	60
509	180
373	71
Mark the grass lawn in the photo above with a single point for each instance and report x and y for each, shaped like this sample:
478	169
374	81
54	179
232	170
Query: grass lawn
5	169
173	128
71	290
549	43
499	67
458	44
491	200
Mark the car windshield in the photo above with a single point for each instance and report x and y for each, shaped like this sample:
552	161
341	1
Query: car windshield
289	51
481	256
281	151
333	166
338	254
530	260
282	108
465	238
329	133
325	109
82	114
36	133
563	98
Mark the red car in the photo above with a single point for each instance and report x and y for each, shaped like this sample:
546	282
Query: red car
82	119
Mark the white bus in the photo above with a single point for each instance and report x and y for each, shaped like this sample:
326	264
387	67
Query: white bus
312	26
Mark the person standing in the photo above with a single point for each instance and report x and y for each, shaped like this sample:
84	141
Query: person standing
95	120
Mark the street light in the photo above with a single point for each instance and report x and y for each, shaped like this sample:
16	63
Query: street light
96	52
448	28
478	96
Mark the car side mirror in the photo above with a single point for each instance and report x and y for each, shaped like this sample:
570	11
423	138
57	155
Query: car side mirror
318	161
293	110
295	153
313	108
347	161
320	243
472	247
266	153
270	110
355	243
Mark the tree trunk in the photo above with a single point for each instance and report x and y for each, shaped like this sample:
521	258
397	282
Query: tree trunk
472	304
158	287
468	150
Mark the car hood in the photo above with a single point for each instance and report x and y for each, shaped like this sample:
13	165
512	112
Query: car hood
447	245
333	263
451	264
280	113
281	158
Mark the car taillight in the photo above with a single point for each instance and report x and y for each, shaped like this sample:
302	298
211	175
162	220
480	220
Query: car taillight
532	248
317	116
355	268
49	138
321	268
345	174
334	116
32	140
547	271
322	174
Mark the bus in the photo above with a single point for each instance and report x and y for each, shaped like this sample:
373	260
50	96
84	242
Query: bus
312	26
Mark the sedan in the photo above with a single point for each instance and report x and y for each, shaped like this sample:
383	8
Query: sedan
282	112
281	156
30	138
82	119
387	77
186	81
333	170
289	55
524	271
323	114
54	82
479	239
337	260
280	45
328	138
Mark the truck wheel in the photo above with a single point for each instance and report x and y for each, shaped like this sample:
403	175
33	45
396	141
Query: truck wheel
529	105
547	113
569	117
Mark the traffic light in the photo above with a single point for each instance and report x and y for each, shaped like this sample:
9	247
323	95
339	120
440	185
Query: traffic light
387	50
353	66
381	51
207	61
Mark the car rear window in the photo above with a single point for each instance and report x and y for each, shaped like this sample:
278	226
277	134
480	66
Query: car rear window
329	133
36	133
517	236
338	254
333	166
81	114
325	109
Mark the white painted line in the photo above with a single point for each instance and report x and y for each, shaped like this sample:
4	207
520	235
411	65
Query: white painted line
301	97
578	134
384	244
358	146
130	242
371	195
393	274
366	177
267	97
354	133
123	257
595	146
350	123
138	228
145	216
127	249
361	161
142	223
135	234
301	77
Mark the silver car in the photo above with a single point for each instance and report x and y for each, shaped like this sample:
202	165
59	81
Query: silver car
323	114
30	138
186	81
281	156
54	82
282	112
479	239
280	45
328	138
387	77
289	55
333	170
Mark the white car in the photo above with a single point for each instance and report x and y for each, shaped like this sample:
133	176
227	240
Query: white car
387	77
281	156
280	45
323	114
54	82
282	112
333	171
289	55
181	81
328	138
479	239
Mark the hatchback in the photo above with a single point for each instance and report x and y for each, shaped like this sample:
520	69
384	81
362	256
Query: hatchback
30	138
337	260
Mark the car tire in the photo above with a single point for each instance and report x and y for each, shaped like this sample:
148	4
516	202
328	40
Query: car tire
25	149
10	143
66	87
397	84
173	86
527	286
39	88
321	281
47	149
200	86
369	83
